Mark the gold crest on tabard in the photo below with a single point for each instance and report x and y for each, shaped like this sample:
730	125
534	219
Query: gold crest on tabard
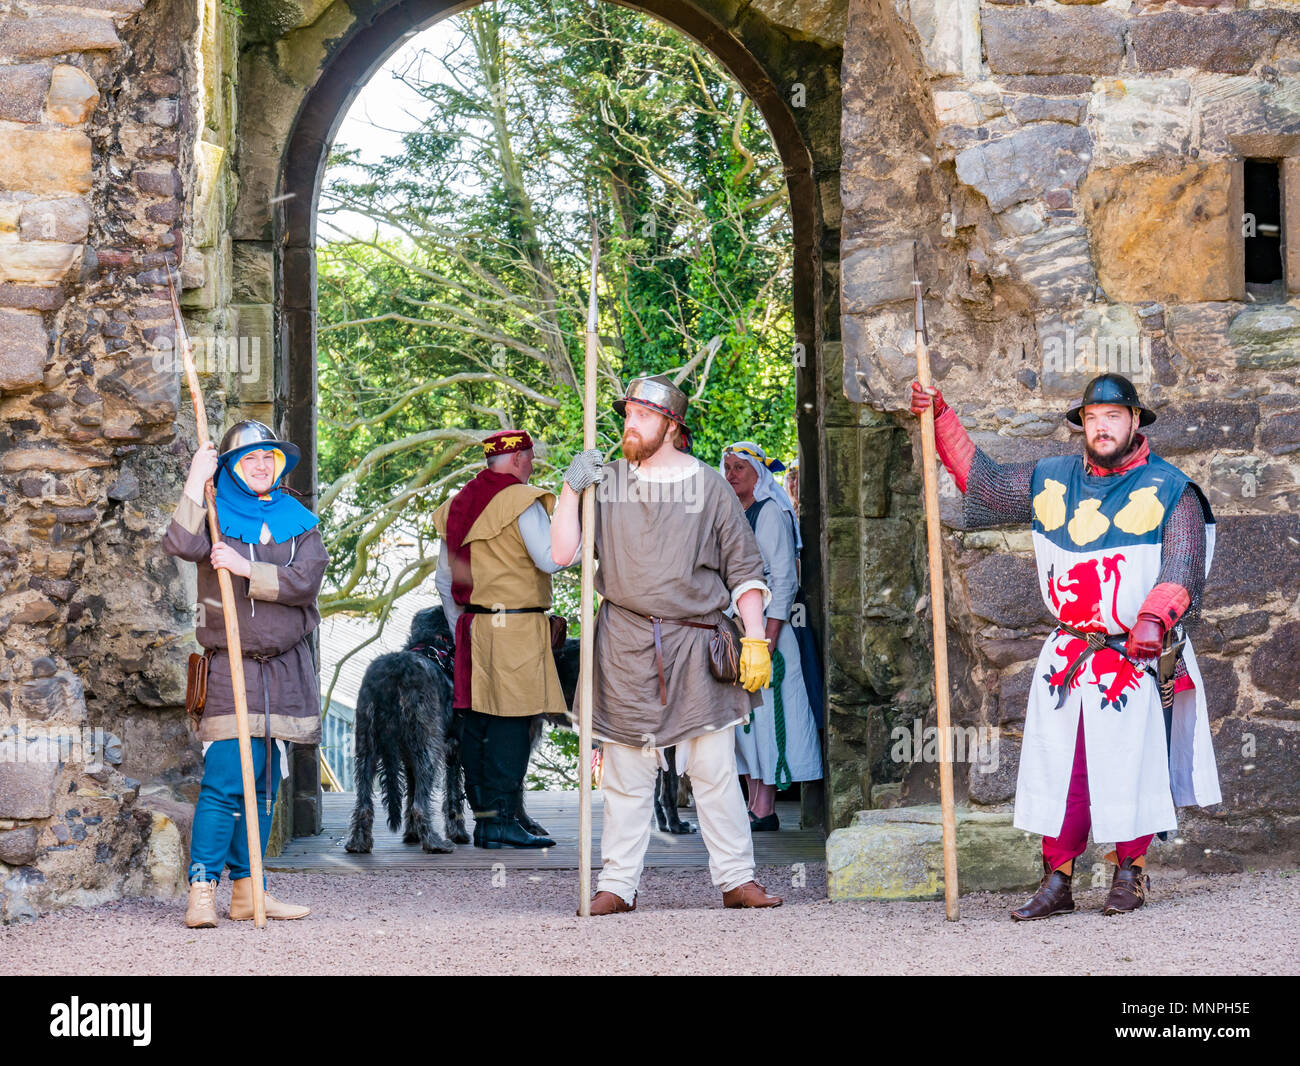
1142	513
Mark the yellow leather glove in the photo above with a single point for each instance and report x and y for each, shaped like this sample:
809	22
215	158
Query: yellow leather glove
755	664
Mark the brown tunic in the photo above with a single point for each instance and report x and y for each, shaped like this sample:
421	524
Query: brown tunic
673	549
277	612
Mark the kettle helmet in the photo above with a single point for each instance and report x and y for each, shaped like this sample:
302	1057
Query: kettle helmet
1112	389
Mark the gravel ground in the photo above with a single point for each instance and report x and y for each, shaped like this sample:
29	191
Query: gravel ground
445	923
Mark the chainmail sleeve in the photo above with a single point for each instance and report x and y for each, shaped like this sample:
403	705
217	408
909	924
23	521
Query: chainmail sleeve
997	494
1182	554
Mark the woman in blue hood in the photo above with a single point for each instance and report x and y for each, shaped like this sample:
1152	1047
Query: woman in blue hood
272	547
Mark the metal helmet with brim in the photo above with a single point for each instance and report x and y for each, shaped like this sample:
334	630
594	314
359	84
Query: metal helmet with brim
1110	389
249	435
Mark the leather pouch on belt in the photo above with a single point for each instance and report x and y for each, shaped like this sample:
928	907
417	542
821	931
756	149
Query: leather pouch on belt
559	631
196	685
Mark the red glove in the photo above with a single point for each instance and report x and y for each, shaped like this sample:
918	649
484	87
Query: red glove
1146	638
921	400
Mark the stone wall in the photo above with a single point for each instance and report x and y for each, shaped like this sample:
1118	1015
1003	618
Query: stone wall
1073	176
96	160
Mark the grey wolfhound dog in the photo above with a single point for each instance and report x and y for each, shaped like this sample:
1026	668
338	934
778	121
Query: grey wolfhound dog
407	732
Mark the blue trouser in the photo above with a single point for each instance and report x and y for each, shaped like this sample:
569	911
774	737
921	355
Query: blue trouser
219	838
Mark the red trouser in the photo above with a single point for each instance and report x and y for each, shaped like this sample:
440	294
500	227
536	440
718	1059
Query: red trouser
1073	839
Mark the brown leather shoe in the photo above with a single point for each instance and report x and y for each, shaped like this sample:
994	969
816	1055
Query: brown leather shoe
1128	889
1054	896
750	894
610	903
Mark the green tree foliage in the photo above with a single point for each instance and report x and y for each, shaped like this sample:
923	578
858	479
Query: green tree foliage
459	309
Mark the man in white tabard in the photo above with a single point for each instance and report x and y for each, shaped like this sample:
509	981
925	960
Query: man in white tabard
675	553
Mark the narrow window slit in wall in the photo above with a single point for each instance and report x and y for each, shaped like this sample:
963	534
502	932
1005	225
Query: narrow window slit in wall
1263	229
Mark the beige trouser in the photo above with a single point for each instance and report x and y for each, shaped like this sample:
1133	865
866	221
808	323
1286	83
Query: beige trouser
628	786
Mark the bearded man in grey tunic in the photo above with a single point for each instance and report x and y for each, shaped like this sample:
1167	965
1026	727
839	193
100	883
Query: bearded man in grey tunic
675	553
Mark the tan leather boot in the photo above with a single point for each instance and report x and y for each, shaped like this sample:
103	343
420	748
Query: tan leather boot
241	904
202	910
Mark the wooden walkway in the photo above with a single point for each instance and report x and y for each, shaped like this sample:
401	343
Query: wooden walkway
558	811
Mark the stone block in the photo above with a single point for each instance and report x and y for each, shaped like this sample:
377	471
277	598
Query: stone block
1013	695
1054	262
44	161
1048	109
1040	41
32	297
1236	110
66	219
1266	337
877	448
1254	557
949	31
253	272
29	773
1275	665
1221	685
269	104
18	846
823	23
992	777
59	697
1003	652
879	358
843	473
1197	427
1136	119
24	349
255	342
1280	434
1199	332
967	108
874	275
888	582
31	37
171	824
1079	345
1164	231
1259	764
52	460
1004	590
73	96
22	91
1026	163
1226	42
38	262
118	7
897	854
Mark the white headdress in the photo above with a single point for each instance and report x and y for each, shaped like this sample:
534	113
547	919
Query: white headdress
767	487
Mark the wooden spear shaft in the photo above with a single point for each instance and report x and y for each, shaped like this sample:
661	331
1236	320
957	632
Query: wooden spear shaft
588	595
937	611
233	645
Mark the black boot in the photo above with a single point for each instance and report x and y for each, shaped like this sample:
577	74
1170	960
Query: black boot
528	823
503	830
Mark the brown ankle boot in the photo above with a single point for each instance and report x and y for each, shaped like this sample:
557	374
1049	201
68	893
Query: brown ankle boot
1128	889
1054	896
